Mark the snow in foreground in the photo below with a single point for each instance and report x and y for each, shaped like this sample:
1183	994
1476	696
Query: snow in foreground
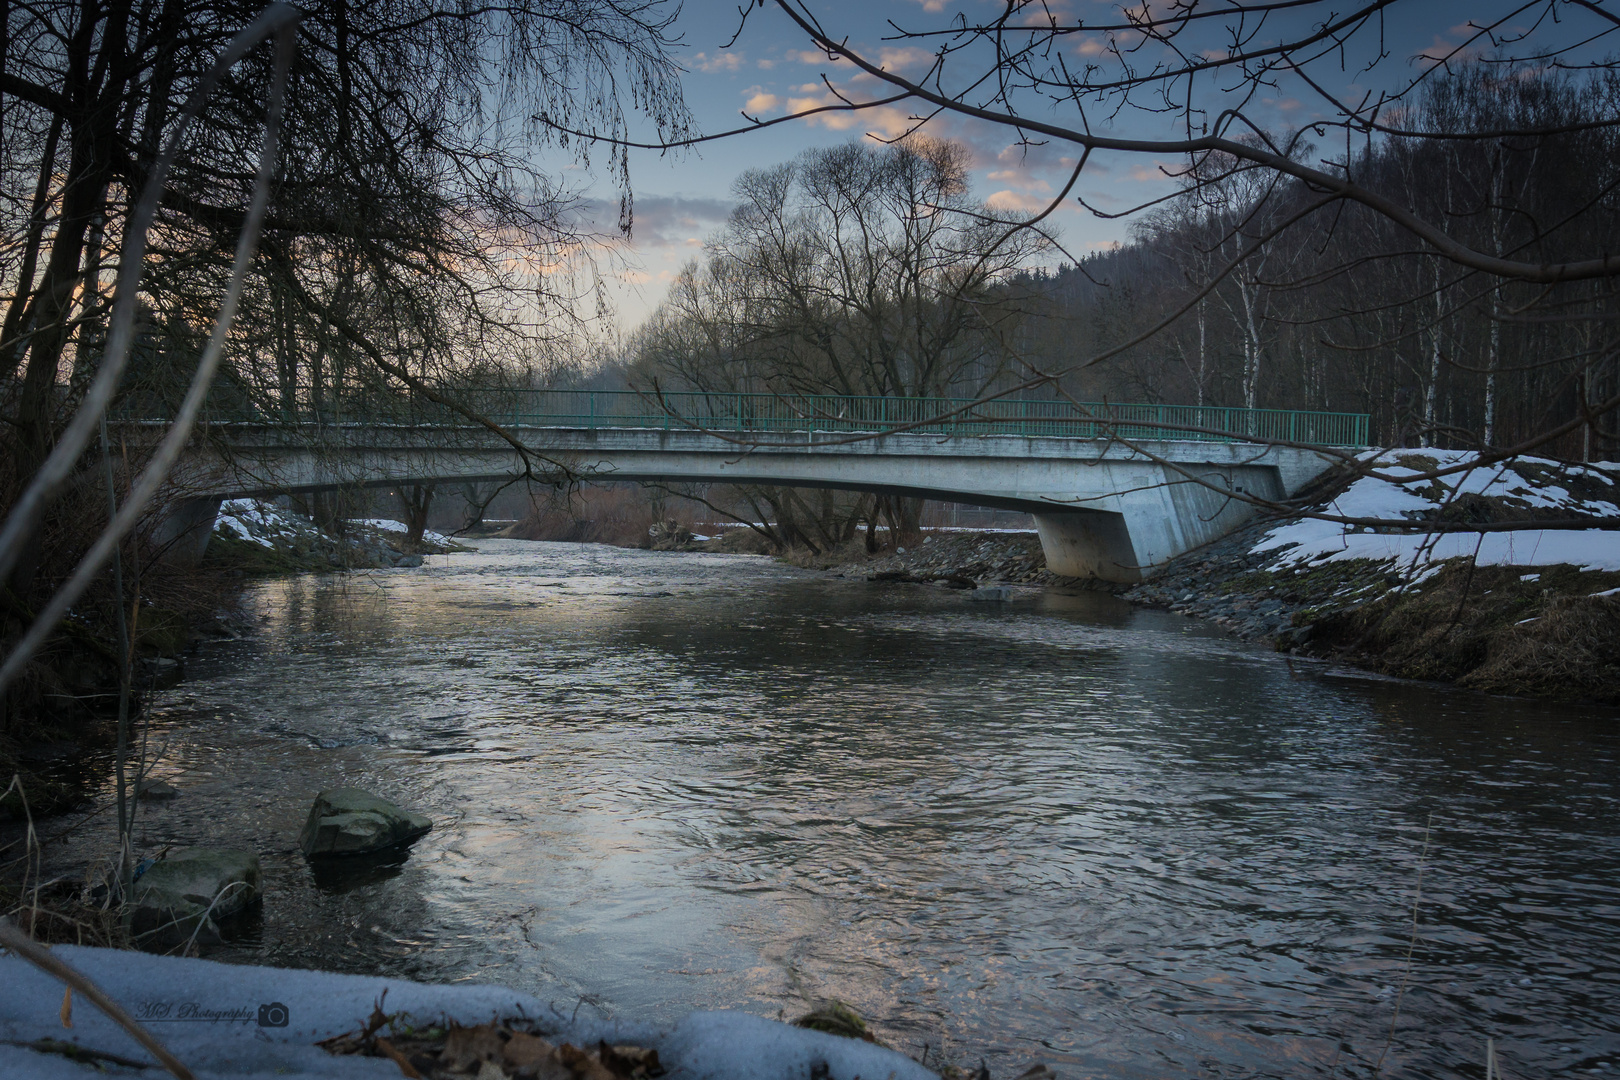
208	1014
1525	484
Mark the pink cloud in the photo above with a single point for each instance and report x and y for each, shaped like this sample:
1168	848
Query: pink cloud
1016	202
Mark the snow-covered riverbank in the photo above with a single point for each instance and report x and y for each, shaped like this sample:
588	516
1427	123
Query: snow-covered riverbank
240	1021
1523	610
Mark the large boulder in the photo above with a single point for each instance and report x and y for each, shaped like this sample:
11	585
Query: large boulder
349	821
188	889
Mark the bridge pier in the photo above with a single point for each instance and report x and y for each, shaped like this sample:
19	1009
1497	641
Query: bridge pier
1092	544
182	537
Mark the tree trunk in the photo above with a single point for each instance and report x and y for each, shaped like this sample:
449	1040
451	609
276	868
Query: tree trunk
415	501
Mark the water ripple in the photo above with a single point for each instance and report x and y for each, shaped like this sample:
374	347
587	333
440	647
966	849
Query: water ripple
1062	830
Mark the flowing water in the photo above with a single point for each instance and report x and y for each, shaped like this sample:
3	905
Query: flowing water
1053	829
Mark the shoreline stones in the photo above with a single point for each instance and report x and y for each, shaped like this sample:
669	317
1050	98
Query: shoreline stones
350	821
188	890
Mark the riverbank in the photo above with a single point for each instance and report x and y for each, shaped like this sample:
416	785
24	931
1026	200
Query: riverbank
1524	612
64	725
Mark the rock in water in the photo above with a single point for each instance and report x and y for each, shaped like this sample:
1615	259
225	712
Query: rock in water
155	789
194	886
993	592
349	821
408	562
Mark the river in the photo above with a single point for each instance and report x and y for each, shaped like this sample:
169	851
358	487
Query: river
1055	829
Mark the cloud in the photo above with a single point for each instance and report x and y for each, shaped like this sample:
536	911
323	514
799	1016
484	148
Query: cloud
661	221
910	56
810	56
1020	178
726	61
1443	51
1017	202
760	101
765	65
885	120
1146	173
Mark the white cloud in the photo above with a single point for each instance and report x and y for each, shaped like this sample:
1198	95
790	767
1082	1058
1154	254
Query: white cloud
760	101
899	59
726	61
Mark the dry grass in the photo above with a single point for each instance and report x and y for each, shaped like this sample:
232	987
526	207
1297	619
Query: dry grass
1488	629
1571	650
49	910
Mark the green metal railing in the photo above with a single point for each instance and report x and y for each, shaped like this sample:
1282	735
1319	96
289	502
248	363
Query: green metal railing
783	413
773	413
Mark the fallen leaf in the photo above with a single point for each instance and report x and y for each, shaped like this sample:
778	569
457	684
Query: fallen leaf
406	1069
465	1047
630	1061
583	1065
523	1050
67	1006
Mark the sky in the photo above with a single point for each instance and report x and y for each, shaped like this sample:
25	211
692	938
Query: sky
683	197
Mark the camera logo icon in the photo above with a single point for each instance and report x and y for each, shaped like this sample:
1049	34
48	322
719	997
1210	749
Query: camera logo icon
273	1015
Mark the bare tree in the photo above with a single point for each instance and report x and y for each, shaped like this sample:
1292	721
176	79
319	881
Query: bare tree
855	271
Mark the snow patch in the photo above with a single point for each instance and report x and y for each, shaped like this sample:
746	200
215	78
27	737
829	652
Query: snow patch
389	525
257	521
225	1002
1524	483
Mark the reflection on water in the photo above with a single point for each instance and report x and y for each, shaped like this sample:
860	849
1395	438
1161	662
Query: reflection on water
1054	829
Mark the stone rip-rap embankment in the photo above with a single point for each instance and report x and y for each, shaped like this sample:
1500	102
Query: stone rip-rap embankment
255	535
1520	611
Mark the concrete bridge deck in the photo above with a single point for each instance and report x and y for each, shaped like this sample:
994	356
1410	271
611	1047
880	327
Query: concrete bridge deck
1103	509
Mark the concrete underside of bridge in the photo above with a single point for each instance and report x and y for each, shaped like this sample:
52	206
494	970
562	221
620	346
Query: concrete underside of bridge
1103	510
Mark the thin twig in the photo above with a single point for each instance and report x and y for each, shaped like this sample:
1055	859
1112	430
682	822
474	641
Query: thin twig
1411	947
42	958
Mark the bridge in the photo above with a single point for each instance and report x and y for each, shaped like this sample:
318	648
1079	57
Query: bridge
1107	484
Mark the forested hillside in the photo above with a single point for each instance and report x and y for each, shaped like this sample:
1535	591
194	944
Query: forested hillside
1264	301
